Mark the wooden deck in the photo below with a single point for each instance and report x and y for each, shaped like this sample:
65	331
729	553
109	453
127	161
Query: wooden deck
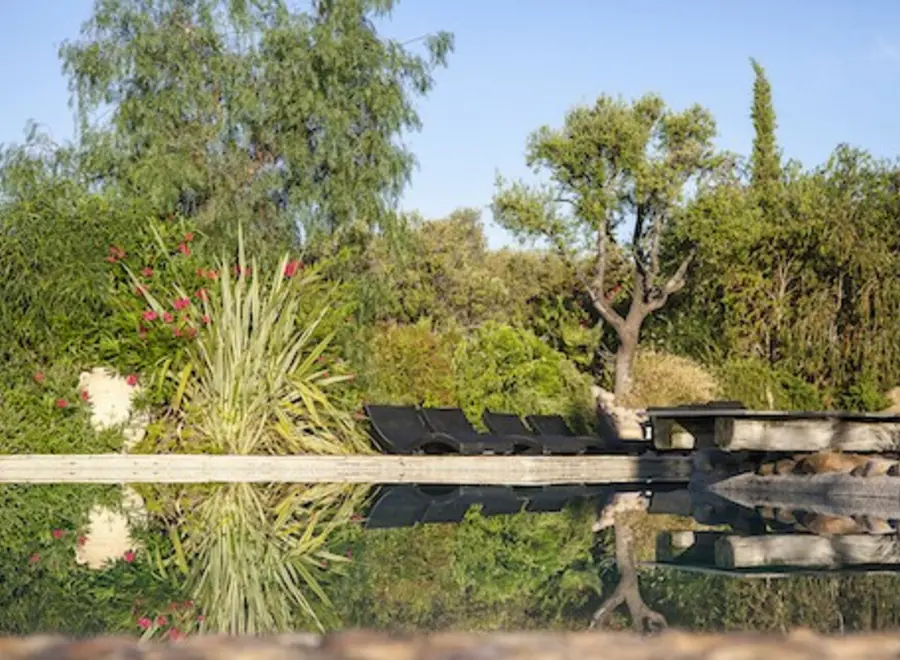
457	470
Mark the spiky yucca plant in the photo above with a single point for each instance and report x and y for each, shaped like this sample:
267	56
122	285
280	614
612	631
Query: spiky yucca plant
253	554
253	382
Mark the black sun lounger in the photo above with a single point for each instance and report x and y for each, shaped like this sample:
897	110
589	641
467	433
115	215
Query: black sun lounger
452	422
555	426
402	430
550	443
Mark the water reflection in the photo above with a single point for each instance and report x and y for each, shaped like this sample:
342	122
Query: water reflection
247	558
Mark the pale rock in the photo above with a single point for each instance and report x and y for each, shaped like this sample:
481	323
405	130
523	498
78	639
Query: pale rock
894	397
620	503
627	422
111	399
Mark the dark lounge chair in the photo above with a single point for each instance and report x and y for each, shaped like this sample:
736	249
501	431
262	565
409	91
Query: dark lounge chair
511	425
402	430
452	422
555	426
550	443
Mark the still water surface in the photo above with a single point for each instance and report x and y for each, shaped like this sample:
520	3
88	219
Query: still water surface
169	561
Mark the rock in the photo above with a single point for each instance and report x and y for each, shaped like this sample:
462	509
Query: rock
111	399
823	462
823	525
627	422
894	397
620	503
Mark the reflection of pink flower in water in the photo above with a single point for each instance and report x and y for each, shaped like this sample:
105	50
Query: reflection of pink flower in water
132	380
144	623
161	620
128	556
58	534
81	541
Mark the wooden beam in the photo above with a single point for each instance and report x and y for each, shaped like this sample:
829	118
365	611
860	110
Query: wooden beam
477	470
735	434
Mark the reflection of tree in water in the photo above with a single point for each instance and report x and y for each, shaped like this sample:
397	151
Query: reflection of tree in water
627	591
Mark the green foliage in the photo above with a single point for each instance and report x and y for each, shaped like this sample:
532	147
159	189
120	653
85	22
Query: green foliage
43	590
486	573
511	370
253	379
763	387
412	364
250	111
765	161
42	412
256	554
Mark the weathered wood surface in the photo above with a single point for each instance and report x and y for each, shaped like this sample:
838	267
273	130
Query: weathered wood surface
806	551
835	494
735	434
363	645
477	470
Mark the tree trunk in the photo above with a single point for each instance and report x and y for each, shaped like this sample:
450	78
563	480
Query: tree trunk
628	342
627	592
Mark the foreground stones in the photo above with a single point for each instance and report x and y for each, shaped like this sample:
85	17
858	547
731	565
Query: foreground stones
461	646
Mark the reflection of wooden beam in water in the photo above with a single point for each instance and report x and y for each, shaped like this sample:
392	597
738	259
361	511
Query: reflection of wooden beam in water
830	494
776	555
805	551
461	470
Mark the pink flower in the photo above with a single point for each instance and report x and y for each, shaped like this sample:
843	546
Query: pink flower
181	303
212	274
167	317
184	249
292	267
201	273
174	634
81	541
58	534
161	620
39	377
189	236
35	558
206	320
144	623
202	294
149	315
201	618
147	272
62	403
85	395
128	556
132	380
176	332
190	332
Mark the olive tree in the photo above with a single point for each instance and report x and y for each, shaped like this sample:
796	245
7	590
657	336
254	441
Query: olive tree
613	166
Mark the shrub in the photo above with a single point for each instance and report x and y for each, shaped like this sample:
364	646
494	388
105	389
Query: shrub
663	379
509	369
411	364
254	377
763	387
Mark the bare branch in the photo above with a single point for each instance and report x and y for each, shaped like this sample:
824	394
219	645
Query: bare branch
675	284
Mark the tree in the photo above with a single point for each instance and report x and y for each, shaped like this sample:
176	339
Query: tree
230	110
611	163
765	161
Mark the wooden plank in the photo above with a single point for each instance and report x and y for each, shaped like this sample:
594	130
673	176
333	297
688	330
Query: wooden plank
806	551
477	470
735	434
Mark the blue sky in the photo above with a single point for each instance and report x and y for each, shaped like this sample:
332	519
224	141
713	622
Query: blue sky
834	67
